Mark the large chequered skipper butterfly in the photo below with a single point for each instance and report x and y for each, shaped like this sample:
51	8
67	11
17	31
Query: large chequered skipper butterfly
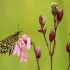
8	44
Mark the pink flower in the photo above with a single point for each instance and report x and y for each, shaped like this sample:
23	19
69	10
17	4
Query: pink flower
22	47
16	50
27	41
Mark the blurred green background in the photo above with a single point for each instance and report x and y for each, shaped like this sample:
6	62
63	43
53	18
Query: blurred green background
26	13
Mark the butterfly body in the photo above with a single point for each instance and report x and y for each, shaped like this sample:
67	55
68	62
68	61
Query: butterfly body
8	44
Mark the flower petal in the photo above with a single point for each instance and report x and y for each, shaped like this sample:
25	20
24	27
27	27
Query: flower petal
25	37
28	43
21	41
23	57
16	50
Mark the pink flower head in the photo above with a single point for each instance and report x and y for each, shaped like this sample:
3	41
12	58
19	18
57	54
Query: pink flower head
27	41
22	47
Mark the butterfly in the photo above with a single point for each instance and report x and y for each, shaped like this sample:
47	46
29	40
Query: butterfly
8	44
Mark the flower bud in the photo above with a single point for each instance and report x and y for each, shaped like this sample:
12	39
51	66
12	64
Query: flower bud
59	15
51	36
54	8
42	21
44	31
40	30
38	52
68	47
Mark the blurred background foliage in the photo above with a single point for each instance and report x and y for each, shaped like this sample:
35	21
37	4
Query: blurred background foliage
26	14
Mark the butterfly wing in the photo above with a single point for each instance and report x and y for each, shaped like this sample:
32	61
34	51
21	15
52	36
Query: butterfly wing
12	45
8	44
3	47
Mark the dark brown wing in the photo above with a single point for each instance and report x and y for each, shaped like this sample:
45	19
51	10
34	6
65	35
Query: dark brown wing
8	44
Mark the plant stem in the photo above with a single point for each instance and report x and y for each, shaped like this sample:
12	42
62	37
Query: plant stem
38	64
46	41
37	60
55	29
51	55
51	61
69	62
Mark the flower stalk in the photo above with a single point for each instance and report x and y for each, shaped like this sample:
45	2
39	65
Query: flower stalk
46	41
58	15
69	62
37	58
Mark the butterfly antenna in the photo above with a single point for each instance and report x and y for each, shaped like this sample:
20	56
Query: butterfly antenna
19	29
